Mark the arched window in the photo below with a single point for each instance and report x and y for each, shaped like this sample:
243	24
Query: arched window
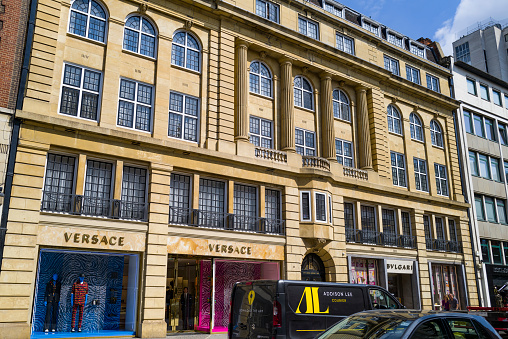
303	93
341	105
186	51
415	126
313	268
394	124
88	19
139	36
260	79
436	135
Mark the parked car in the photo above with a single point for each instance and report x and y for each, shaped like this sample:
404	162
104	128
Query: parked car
392	324
299	309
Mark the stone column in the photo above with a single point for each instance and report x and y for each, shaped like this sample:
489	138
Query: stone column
327	122
287	127
364	147
242	92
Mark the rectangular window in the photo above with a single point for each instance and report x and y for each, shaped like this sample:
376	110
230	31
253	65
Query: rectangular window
212	203
135	105
505	250
245	207
468	123
452	229
485	251
329	7
419	51
398	169
344	152
80	95
506	169
420	174
349	220
268	10
406	223
433	83
471	86
439	229
484	92
345	44
98	185
490	209
392	65
179	199
413	74
441	180
272	204
58	183
395	39
496	252
494	166
426	227
389	221
473	163
320	200
480	211
183	117
133	203
371	27
478	125
462	53
305	206
305	142
484	166
368	218
502	134
506	101
501	211
260	132
308	27
496	97
489	129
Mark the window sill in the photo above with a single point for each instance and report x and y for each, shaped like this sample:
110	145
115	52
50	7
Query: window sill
342	120
185	69
134	130
419	141
183	140
84	38
96	122
436	146
310	110
139	55
397	134
261	96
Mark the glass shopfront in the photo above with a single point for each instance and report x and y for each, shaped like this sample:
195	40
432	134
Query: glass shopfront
446	280
99	289
364	271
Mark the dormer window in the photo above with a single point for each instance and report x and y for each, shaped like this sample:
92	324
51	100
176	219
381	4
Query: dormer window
417	50
395	39
371	27
332	8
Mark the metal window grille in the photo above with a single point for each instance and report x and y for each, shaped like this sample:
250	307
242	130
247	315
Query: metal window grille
441	181
97	197
80	92
305	142
406	223
186	51
58	183
139	36
135	105
260	132
88	19
398	169
133	201
420	167
212	207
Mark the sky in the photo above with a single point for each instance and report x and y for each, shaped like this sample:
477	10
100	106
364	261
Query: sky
439	20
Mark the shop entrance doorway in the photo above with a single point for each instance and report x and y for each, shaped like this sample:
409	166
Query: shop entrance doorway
400	286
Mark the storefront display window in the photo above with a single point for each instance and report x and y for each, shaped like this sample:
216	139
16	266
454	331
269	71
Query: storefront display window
99	289
444	282
364	271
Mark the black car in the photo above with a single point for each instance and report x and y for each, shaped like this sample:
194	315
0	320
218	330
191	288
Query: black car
391	324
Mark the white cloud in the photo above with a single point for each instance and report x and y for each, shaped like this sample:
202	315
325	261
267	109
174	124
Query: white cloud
468	13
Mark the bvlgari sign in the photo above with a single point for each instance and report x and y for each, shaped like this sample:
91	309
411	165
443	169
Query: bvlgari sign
399	266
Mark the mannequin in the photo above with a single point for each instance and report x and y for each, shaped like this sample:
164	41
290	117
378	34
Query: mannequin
51	301
186	301
79	297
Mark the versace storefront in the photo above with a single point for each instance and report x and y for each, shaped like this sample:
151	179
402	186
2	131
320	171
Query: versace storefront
201	274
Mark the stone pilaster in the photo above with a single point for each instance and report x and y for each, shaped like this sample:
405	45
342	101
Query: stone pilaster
242	92
286	104
365	152
327	122
155	266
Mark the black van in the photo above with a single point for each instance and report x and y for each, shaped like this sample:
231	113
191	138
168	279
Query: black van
298	309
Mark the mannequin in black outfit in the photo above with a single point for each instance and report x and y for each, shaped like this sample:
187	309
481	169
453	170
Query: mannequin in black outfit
186	301
51	301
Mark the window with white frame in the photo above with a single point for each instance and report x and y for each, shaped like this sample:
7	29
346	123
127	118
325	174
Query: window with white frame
413	74
436	134
485	166
417	50
484	92
420	167
260	79
344	152
371	27
471	86
305	206
260	132
80	92
503	136
396	40
308	27
392	65
489	129
345	44
468	122
462	53
303	93
268	10
183	116
433	83
330	7
320	201
473	163
506	101
416	128
398	169
305	142
496	97
441	179
186	51
394	121
479	125
88	19
139	36
341	108
135	105
490	209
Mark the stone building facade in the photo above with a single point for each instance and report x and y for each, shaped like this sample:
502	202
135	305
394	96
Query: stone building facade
190	144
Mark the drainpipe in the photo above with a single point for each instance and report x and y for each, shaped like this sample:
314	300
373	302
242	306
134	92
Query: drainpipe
466	198
15	128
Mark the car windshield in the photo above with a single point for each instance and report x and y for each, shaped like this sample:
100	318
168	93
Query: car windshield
365	326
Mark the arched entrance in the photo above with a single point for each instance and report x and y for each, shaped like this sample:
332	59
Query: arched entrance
313	268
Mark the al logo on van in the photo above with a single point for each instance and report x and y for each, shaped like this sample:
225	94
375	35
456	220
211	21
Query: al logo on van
312	301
